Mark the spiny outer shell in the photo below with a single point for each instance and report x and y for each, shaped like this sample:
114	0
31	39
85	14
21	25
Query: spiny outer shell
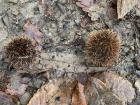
103	47
23	55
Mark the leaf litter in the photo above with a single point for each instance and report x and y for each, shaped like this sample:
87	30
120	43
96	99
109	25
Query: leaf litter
94	91
105	90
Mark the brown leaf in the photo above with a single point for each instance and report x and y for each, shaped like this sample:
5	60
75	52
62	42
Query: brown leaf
98	93
112	9
66	91
119	85
78	97
124	6
57	91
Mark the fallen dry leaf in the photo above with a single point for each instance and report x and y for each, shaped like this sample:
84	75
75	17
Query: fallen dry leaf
98	8
15	87
94	8
6	99
57	91
97	93
78	97
138	4
119	85
87	2
124	6
66	91
18	92
138	9
112	9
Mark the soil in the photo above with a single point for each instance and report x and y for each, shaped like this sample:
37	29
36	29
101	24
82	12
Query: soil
65	29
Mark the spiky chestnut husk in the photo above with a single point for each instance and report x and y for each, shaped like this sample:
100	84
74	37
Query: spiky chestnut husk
103	47
20	52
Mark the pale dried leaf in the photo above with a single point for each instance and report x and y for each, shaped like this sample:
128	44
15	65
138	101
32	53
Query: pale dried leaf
66	91
86	2
119	85
97	93
57	91
15	87
124	6
138	9
138	4
94	8
98	8
78	97
19	92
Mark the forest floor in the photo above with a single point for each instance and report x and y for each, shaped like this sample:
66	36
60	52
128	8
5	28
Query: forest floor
65	28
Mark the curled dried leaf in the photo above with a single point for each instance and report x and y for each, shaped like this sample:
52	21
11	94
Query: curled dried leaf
94	8
98	8
66	91
78	97
57	91
124	6
119	85
98	93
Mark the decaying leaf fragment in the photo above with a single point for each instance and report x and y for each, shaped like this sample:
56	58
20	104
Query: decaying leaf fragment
98	93
56	92
66	91
119	85
94	8
15	87
78	96
99	8
124	6
5	99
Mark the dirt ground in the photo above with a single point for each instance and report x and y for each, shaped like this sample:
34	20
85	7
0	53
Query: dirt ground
65	29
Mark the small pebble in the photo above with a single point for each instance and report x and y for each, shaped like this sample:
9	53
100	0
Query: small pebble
36	83
137	84
25	98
